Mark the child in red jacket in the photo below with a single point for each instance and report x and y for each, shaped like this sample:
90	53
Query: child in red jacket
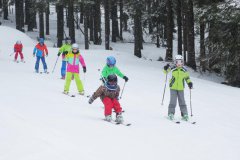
18	50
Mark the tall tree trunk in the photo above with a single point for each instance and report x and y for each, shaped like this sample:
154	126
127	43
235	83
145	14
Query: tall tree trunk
179	24
91	22
47	17
169	28
86	17
32	15
22	14
191	44
149	9
71	21
107	25
97	22
114	21
5	9
60	23
41	24
1	4
185	29
121	19
27	11
19	15
81	12
137	31
202	45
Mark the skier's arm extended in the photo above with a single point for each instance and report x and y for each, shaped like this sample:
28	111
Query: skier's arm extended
96	94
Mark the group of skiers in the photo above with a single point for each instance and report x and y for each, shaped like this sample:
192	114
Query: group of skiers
109	91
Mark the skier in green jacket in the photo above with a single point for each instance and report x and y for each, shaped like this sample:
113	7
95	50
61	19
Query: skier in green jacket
67	47
176	84
111	68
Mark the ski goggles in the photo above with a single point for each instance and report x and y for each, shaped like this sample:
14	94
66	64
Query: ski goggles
179	62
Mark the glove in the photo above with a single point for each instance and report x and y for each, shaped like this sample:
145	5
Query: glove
58	54
166	67
103	80
84	69
46	54
190	85
65	52
125	78
90	101
33	55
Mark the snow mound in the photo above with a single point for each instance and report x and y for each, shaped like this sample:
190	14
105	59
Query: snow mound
9	36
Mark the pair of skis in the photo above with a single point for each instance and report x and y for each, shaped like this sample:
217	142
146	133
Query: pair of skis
74	95
179	121
117	123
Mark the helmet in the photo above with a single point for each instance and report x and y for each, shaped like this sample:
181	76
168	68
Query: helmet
112	78
178	57
111	83
19	42
68	40
111	61
41	40
75	46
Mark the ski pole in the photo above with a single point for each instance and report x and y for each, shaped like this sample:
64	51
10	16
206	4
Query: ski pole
164	89
122	90
191	102
55	64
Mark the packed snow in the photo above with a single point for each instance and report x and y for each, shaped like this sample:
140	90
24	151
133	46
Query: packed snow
38	122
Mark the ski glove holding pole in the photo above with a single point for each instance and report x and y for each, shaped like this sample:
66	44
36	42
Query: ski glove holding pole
166	67
125	78
84	69
190	85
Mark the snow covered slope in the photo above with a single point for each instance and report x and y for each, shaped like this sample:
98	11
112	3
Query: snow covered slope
38	122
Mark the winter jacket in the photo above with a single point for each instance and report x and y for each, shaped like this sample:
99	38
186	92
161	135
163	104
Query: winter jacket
63	50
103	92
111	70
179	75
73	61
40	50
18	47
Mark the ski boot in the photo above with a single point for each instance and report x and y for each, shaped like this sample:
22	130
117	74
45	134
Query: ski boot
81	93
45	71
65	92
36	71
63	77
185	117
119	118
108	118
171	116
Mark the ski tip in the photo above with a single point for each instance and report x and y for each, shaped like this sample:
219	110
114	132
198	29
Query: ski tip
178	122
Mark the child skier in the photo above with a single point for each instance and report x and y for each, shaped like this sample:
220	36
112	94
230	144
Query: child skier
73	58
109	93
176	84
64	50
18	47
110	68
40	50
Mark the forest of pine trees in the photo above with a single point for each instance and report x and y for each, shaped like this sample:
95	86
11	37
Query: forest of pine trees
207	31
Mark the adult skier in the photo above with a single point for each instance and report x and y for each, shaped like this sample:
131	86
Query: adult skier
40	50
73	59
64	50
109	93
176	84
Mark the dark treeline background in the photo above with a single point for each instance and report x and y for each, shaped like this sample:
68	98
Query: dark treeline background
207	31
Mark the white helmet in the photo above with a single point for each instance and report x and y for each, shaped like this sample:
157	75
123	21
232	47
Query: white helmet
75	46
19	42
178	57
